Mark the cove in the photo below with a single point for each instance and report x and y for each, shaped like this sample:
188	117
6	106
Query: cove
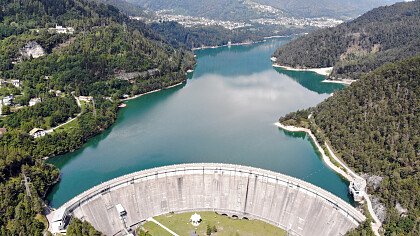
224	113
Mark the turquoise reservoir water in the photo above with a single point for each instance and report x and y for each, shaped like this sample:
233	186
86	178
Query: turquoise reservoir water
224	113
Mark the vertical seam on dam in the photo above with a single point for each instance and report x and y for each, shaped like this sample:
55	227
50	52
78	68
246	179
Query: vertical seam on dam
246	194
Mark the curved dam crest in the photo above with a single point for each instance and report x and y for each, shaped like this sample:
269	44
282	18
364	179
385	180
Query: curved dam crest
289	203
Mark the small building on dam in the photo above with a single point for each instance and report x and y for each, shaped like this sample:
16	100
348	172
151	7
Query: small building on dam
289	203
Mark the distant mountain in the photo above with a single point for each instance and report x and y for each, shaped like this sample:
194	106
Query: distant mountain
252	9
326	8
385	34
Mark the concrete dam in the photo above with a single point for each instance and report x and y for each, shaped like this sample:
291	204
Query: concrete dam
289	203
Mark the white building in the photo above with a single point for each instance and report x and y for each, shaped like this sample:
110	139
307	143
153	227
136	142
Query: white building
37	132
195	219
58	220
85	98
15	82
62	30
357	188
7	101
34	101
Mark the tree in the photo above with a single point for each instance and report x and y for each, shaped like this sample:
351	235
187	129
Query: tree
81	228
5	110
141	232
208	230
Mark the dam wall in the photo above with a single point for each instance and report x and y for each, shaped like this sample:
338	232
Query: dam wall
289	203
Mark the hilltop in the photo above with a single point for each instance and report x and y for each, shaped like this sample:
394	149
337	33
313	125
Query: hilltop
385	34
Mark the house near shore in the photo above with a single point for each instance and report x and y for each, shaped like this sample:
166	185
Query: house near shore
85	98
37	132
34	101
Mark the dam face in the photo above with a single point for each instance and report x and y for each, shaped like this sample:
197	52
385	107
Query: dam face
289	203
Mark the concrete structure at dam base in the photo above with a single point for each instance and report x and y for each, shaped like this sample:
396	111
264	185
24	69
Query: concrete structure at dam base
123	203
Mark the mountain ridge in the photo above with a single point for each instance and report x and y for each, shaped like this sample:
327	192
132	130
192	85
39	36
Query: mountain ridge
245	9
385	34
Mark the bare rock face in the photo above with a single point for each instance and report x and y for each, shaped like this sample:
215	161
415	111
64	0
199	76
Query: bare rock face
378	208
373	180
403	211
121	75
32	49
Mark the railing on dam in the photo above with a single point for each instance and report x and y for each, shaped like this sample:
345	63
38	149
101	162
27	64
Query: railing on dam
186	169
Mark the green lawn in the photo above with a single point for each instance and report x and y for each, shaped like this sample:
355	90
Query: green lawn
74	123
156	230
226	226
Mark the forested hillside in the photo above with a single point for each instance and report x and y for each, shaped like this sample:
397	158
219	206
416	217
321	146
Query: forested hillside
54	69
195	37
374	126
385	34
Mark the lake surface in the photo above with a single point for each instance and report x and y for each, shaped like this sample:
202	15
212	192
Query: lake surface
224	113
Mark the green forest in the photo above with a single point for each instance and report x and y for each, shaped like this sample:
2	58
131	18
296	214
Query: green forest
105	44
384	34
374	126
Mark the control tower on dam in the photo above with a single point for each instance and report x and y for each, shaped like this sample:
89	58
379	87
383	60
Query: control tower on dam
289	203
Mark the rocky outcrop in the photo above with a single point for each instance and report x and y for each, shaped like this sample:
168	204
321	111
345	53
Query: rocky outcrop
31	50
378	208
373	181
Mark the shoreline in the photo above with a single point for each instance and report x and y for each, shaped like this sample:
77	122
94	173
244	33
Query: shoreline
344	81
226	45
326	71
121	100
153	91
376	223
243	43
324	156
